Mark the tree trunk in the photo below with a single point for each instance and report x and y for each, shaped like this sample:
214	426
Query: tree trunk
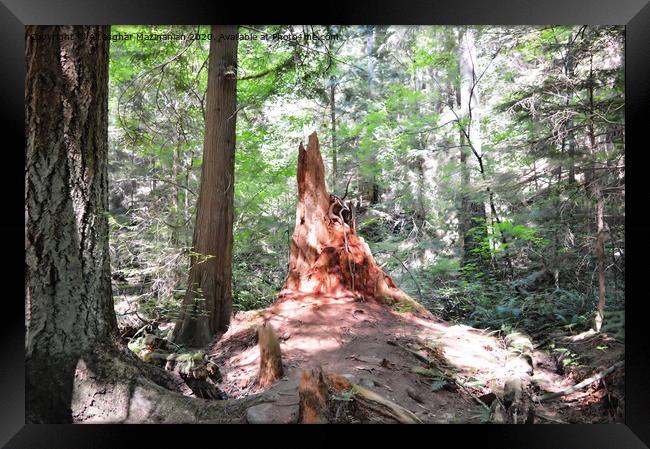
597	191
177	217
69	309
471	223
333	116
333	131
207	305
75	371
369	187
327	257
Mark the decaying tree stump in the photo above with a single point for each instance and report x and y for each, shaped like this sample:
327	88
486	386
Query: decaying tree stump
270	355
327	257
331	398
314	397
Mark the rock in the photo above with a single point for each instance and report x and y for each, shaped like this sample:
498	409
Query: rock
414	395
498	414
488	398
512	391
272	414
385	363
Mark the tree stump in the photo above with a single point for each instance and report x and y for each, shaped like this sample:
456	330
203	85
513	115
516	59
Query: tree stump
333	398
270	356
314	397
327	257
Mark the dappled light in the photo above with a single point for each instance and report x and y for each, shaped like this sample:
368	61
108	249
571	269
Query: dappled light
372	224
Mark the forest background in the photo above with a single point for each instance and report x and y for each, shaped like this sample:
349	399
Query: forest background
487	162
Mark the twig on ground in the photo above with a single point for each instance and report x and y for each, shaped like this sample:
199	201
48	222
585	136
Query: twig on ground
580	385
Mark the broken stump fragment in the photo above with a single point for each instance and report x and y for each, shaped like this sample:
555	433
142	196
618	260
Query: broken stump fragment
270	356
313	393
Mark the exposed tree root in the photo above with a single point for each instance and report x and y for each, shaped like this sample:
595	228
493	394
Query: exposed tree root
115	387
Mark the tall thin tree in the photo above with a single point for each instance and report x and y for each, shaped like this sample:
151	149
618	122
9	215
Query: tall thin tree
207	305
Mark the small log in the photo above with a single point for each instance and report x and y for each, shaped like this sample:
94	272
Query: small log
314	400
270	356
414	395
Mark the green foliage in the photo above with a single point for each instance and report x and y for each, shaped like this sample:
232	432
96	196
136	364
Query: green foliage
402	123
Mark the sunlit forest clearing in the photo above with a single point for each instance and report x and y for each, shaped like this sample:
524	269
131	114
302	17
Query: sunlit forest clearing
330	224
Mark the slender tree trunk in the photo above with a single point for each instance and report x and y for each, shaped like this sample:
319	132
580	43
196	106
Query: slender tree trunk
207	305
597	191
332	101
569	72
370	191
600	253
472	224
69	310
186	204
333	131
177	215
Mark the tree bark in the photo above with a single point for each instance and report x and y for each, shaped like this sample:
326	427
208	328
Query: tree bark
75	370
69	310
207	305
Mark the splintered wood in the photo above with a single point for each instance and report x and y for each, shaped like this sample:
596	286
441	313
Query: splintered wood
318	393
270	356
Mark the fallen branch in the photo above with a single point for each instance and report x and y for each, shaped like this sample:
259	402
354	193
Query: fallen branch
383	406
419	356
580	385
445	372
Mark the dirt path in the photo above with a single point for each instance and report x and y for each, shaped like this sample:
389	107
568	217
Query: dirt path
367	342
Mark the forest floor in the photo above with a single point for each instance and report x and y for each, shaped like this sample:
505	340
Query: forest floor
442	372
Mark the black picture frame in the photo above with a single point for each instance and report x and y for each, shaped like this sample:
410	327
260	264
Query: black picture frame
634	14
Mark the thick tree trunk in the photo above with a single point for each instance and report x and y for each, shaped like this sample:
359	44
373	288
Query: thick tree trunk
74	370
207	305
69	310
327	257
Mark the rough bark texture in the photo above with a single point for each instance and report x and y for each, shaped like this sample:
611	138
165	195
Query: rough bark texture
207	305
270	356
75	371
327	257
69	305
